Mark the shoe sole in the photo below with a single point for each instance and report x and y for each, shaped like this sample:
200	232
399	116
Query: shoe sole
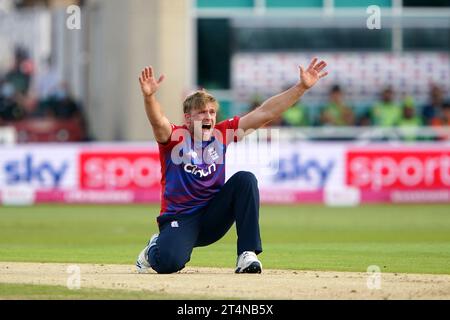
254	267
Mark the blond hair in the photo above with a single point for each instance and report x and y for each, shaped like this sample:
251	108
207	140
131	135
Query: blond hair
197	100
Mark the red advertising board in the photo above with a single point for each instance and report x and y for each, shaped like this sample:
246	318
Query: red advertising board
398	169
119	170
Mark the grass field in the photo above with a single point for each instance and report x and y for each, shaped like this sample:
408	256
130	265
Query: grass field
42	292
397	238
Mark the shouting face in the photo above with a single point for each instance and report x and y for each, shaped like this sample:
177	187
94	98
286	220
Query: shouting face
201	121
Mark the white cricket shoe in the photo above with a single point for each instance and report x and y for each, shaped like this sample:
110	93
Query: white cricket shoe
247	262
142	264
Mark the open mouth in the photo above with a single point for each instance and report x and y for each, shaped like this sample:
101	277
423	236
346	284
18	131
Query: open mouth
206	127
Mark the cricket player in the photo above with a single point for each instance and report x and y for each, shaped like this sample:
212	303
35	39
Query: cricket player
197	206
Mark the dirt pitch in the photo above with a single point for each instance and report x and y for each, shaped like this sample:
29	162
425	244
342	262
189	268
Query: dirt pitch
223	283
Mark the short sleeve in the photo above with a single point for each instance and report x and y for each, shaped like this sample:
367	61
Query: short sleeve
228	129
174	139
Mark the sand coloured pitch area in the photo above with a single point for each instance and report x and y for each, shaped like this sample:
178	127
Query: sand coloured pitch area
223	283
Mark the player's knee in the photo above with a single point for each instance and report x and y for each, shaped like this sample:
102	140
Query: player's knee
170	264
246	178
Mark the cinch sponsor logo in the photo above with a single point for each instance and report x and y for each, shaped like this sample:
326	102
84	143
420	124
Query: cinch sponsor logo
298	168
30	171
119	170
398	169
201	173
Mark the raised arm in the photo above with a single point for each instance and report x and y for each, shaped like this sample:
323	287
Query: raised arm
275	106
160	124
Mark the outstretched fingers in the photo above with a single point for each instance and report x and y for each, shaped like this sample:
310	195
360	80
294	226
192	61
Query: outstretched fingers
320	66
147	74
313	63
323	75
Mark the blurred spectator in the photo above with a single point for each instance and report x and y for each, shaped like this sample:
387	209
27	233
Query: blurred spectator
15	102
296	116
434	108
61	104
51	113
444	118
409	122
409	118
48	81
337	112
9	108
21	72
386	113
365	120
441	124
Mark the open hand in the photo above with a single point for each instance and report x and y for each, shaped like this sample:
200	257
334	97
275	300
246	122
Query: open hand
310	76
149	84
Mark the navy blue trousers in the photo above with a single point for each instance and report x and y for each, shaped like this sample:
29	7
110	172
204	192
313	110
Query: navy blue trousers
237	201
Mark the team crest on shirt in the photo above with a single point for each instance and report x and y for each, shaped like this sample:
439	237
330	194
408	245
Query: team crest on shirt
213	154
